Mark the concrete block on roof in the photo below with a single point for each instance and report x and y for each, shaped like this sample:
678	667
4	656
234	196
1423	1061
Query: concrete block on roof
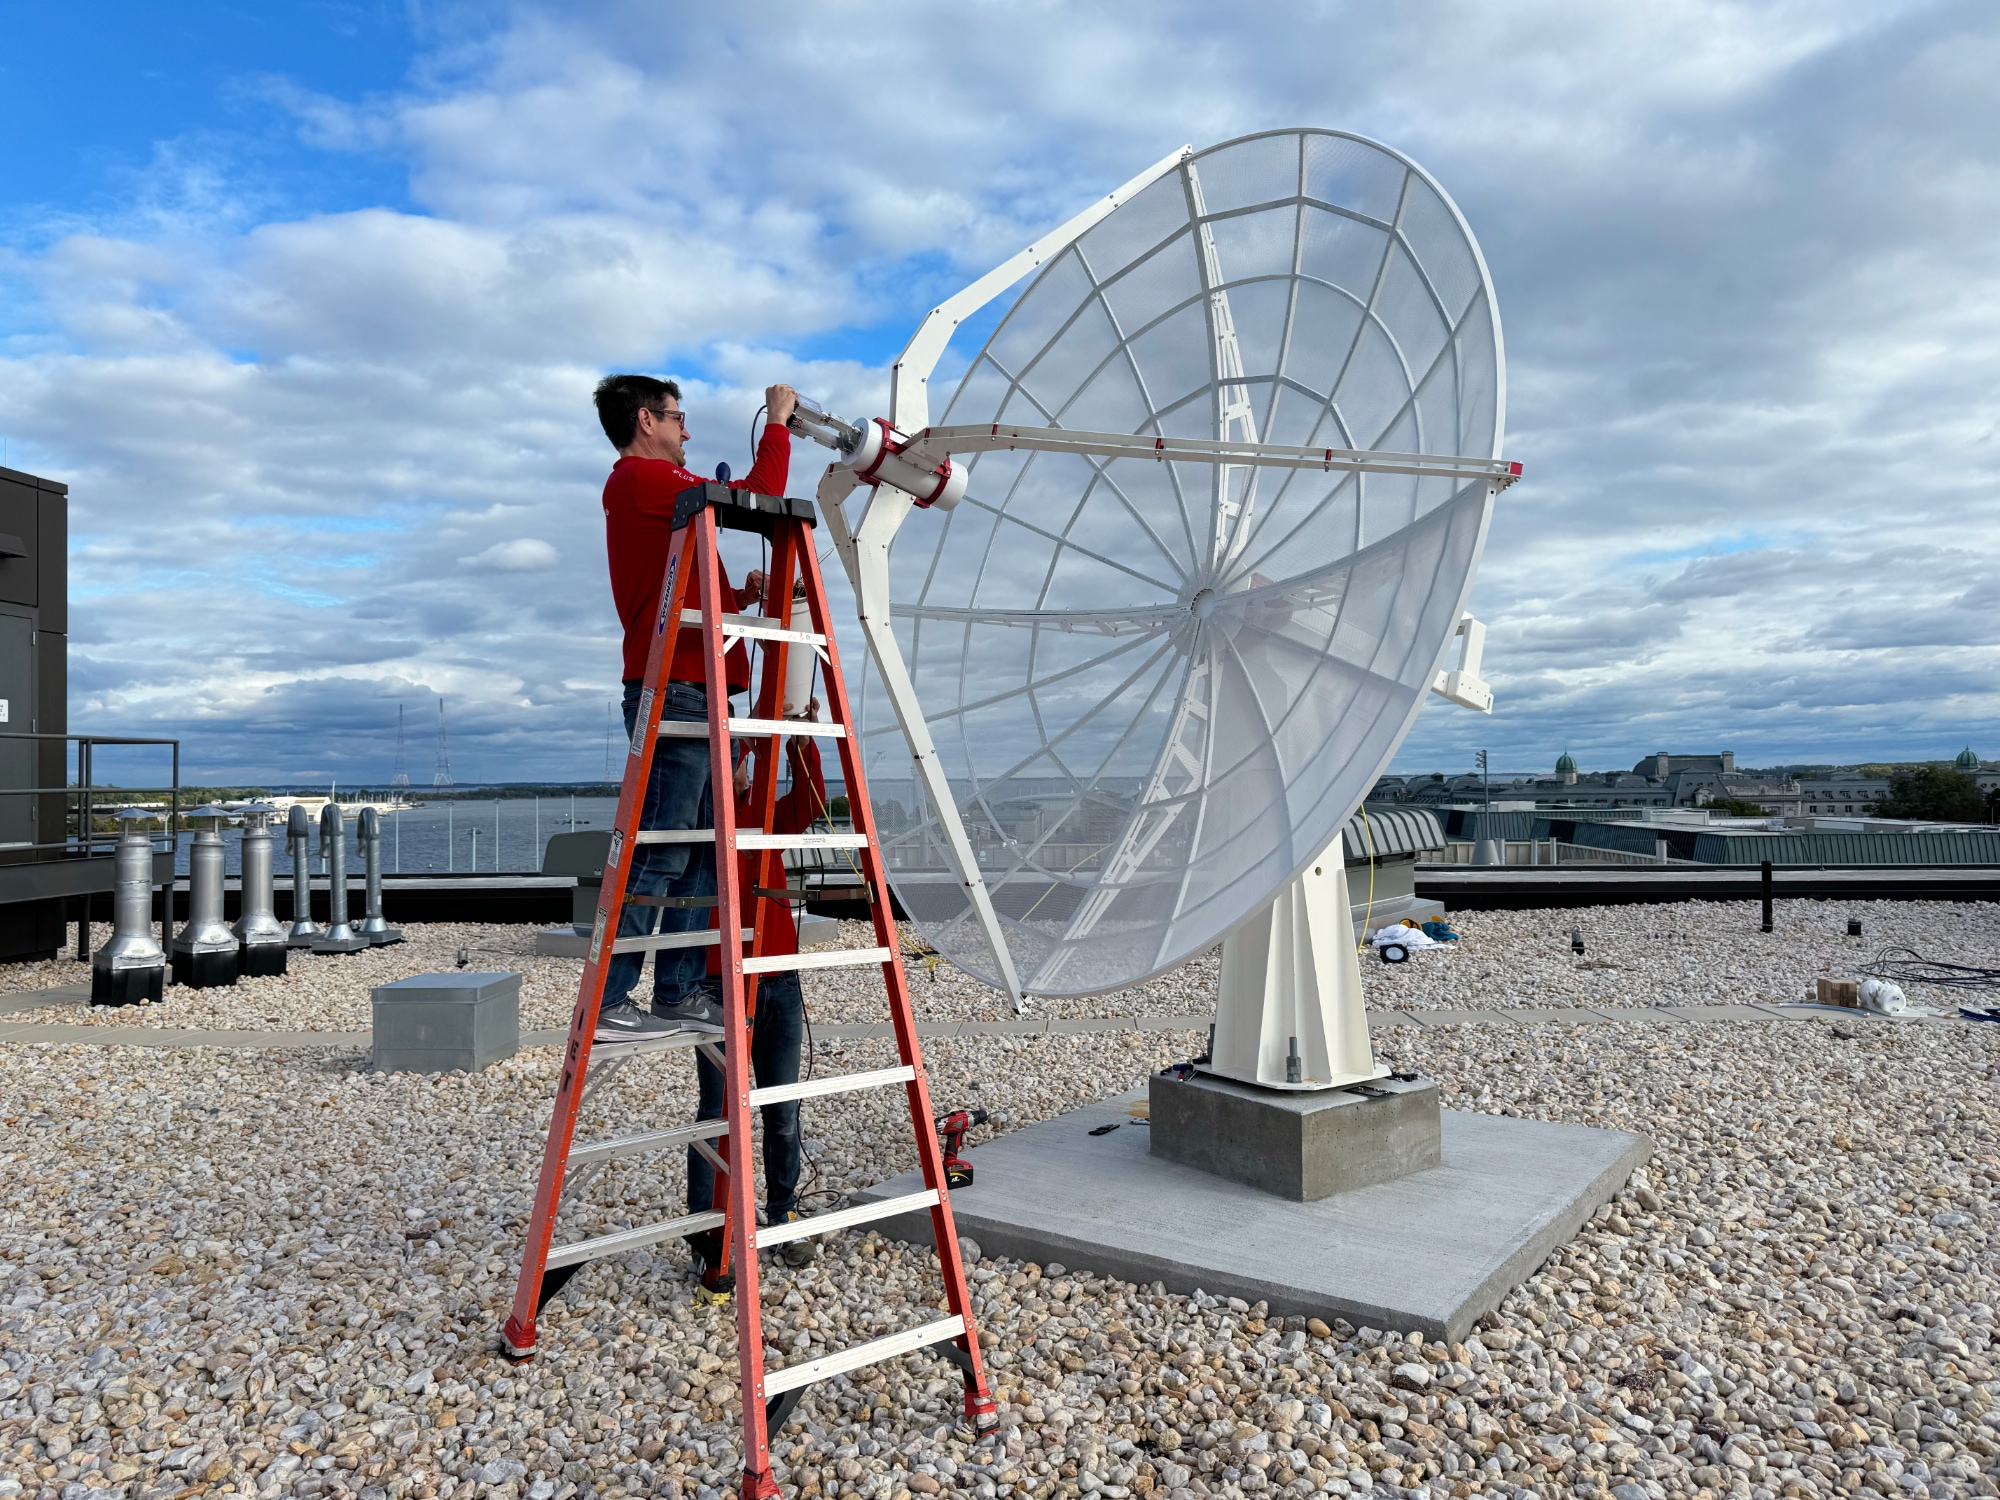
1304	1145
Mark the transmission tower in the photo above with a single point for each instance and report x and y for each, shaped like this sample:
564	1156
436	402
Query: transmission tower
402	776
443	776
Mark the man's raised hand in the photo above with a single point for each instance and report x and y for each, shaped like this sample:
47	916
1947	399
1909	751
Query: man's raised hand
780	401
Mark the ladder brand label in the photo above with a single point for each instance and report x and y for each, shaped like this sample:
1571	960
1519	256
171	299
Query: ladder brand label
645	716
597	936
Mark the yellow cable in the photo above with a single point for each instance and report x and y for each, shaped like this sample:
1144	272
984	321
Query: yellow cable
1367	912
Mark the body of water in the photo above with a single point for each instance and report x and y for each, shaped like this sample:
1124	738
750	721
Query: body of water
504	837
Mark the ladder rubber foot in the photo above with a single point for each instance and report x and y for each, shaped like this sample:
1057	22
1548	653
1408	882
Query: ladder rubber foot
981	1412
517	1342
759	1485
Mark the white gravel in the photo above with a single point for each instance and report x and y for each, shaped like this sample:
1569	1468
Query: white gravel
1687	953
273	1274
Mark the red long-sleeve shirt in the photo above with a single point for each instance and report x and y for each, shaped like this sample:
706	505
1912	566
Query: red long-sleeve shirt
793	813
638	521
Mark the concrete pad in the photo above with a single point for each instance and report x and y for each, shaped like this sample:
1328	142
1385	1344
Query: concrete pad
1562	1015
1025	1026
62	994
1720	1013
1432	1251
1467	1018
165	1036
1389	1020
1645	1015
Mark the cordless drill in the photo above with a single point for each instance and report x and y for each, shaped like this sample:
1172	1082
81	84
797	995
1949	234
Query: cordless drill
951	1131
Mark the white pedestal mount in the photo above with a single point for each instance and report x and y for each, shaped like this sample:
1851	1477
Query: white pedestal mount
1290	1014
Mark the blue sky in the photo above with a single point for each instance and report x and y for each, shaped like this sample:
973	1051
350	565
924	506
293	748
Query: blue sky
305	302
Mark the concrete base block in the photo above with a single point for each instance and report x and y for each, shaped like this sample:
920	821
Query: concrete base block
1432	1251
440	1023
1382	914
263	960
128	986
1302	1146
818	932
215	969
562	942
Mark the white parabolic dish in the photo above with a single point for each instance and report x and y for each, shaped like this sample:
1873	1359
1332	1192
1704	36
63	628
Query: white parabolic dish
1159	688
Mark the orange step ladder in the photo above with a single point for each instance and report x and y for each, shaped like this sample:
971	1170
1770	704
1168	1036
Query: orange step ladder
693	570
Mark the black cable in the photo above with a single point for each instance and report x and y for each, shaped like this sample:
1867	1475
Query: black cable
1907	966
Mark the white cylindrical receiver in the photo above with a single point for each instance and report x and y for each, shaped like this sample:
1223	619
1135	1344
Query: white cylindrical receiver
877	459
798	658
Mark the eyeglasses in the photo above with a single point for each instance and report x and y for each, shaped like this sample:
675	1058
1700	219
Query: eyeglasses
661	413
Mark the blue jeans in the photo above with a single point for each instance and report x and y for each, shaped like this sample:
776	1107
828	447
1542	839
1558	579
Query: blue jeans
677	796
774	1058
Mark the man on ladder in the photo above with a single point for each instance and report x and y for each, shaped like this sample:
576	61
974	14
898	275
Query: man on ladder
643	419
693	595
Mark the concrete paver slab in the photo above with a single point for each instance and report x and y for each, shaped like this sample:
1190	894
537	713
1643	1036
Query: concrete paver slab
1562	1015
1389	1020
62	994
174	1036
1432	1251
1467	1018
1722	1013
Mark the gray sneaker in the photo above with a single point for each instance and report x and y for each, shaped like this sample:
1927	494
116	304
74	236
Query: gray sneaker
697	1010
622	1021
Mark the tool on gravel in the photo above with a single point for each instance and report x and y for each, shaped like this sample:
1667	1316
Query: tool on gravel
691	596
952	1130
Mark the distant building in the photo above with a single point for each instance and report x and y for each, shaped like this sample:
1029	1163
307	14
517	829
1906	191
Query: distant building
1665	780
1841	793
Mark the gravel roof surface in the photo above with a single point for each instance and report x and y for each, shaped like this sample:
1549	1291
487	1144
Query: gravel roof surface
277	1274
1687	953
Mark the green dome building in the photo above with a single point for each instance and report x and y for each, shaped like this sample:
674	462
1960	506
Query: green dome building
1566	769
1967	761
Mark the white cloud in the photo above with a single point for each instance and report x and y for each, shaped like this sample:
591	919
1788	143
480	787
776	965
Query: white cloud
1745	255
522	555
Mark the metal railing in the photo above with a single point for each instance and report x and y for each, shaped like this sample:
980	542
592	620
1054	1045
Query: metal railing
1546	852
84	841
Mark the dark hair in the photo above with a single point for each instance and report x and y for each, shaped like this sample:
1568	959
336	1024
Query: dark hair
619	398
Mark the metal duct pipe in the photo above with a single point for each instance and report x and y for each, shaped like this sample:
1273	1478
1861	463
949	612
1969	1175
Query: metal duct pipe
339	937
131	969
206	954
263	936
298	833
378	932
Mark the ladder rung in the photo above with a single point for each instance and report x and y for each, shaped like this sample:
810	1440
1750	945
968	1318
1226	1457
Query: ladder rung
871	1353
759	627
660	941
841	1083
847	1218
647	1140
632	1239
618	1051
688	729
839	958
754	840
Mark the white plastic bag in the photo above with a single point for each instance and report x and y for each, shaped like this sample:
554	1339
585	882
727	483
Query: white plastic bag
1408	938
